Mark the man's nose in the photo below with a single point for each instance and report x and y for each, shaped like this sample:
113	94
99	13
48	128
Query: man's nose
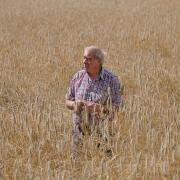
85	61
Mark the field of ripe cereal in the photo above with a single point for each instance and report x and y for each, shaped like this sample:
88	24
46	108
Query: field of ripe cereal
41	47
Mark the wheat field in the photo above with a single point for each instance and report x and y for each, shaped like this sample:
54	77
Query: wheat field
41	47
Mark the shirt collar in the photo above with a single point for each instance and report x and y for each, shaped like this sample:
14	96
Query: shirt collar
101	75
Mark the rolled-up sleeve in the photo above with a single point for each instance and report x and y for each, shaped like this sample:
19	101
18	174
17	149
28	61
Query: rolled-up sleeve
115	92
70	95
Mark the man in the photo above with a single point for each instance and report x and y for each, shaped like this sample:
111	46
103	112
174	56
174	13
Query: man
94	90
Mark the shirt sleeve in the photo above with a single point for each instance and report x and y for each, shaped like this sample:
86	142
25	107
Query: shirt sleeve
70	95
115	92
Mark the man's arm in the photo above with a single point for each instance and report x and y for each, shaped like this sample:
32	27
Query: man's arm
115	93
70	104
99	108
115	96
76	106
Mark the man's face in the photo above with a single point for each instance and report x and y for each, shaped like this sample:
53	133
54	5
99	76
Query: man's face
91	64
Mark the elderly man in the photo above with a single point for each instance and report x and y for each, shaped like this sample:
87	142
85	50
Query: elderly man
94	90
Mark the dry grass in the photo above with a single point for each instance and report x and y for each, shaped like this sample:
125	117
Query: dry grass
41	45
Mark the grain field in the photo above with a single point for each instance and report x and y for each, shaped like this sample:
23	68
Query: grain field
41	47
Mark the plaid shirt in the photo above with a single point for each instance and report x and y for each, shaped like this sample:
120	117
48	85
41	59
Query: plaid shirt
100	90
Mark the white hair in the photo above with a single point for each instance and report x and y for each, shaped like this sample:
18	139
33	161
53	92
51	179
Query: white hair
96	53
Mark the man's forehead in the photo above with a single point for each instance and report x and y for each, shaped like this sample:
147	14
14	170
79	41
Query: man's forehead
87	52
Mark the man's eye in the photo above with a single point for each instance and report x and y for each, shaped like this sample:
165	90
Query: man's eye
88	59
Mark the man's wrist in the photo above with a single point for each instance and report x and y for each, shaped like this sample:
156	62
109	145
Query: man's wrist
77	106
70	104
73	105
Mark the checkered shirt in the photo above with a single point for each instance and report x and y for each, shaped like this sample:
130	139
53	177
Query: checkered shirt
100	90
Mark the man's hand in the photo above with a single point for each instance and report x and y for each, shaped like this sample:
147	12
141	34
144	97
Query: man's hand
93	107
78	106
98	108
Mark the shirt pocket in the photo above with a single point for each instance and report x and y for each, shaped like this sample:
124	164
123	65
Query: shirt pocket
79	95
101	97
